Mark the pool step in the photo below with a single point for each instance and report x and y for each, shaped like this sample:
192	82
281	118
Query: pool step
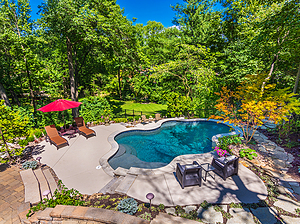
125	184
112	185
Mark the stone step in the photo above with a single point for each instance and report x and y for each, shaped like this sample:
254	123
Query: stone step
125	184
31	185
43	184
163	218
51	182
112	185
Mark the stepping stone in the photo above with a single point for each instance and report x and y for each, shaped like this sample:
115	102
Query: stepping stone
51	182
265	214
189	208
31	185
126	184
42	181
210	215
290	220
287	204
240	215
171	211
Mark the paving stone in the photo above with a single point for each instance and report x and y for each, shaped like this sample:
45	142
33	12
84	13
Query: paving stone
56	212
209	215
265	214
287	204
290	220
270	147
79	212
296	189
171	211
189	208
98	214
240	215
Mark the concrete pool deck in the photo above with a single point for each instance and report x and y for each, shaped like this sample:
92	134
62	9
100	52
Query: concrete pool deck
76	166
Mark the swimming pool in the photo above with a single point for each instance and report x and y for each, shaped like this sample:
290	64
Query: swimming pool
157	148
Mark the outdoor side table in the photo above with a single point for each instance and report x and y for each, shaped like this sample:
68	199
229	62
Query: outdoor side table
207	168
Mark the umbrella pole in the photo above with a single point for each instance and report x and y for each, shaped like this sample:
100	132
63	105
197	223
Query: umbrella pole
64	120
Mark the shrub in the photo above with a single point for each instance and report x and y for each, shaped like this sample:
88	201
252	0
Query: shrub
146	216
38	133
161	206
44	132
128	206
220	152
225	141
29	165
249	153
23	142
30	138
58	128
118	120
130	119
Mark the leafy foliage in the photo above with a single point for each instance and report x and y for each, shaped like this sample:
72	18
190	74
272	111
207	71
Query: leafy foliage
250	106
249	153
226	141
62	196
128	206
12	127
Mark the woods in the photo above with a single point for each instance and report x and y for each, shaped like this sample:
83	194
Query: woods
78	49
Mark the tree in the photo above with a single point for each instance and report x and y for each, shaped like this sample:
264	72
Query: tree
12	128
249	108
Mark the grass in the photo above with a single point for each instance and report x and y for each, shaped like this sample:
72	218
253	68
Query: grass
147	109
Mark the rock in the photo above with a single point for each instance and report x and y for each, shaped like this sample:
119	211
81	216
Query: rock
170	211
279	162
210	215
265	214
290	220
270	147
189	208
287	204
240	215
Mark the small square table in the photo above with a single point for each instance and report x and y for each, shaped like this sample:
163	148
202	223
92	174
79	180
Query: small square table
207	168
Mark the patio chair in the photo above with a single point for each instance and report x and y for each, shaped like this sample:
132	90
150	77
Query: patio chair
226	166
54	137
157	117
189	175
83	130
144	119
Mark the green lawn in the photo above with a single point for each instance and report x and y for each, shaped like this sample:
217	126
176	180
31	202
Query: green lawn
148	108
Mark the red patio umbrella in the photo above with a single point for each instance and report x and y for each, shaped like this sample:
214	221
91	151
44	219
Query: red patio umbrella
60	105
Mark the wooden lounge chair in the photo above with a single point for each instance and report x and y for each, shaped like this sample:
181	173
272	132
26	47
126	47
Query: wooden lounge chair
144	119
157	117
82	128
54	137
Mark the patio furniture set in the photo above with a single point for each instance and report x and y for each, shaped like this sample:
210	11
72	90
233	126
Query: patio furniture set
55	137
191	174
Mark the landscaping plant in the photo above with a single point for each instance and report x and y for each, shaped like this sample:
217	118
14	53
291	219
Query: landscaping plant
128	206
251	105
12	128
30	165
249	153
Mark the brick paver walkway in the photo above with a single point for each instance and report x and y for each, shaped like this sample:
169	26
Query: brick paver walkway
11	194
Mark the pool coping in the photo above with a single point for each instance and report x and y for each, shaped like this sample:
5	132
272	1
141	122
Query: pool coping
171	166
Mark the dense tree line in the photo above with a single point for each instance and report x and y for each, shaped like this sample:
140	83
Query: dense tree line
81	48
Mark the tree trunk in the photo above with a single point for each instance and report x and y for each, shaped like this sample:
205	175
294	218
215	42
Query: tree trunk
4	96
7	149
297	81
269	75
119	79
73	88
15	97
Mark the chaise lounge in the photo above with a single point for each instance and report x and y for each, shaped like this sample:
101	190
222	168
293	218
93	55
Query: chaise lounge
83	129
54	137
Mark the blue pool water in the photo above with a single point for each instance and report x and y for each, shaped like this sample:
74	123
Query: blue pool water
172	139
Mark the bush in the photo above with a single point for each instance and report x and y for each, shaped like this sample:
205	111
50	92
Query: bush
29	165
58	128
119	120
249	153
38	133
30	138
23	142
130	119
225	141
44	132
161	206
128	206
93	108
